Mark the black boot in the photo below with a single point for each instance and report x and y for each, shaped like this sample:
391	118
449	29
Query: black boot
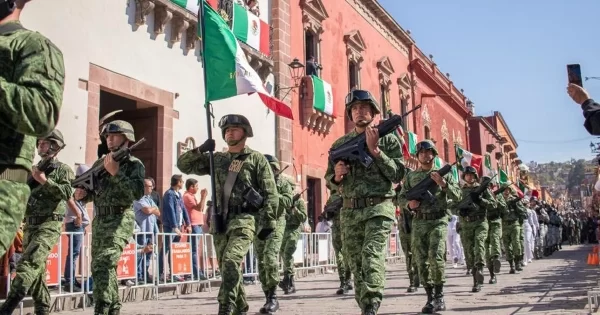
438	302
348	278
468	272
291	285
371	309
492	275
519	263
411	287
511	263
225	309
285	283
559	245
479	274
272	303
428	308
111	312
11	303
476	285
343	288
263	309
496	264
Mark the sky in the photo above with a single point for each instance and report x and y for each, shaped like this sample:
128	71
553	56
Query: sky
511	56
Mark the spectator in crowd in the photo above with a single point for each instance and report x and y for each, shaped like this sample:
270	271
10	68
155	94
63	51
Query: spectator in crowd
312	67
146	214
323	226
174	219
76	220
591	109
196	213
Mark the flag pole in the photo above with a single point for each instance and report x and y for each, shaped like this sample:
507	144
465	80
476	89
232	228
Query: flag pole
207	106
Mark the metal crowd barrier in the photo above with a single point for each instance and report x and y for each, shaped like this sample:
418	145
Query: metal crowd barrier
143	253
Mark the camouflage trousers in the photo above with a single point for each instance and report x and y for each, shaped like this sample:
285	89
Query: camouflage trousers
267	252
110	235
38	241
493	242
231	249
540	244
511	239
13	202
343	268
364	244
428	243
473	237
291	235
409	259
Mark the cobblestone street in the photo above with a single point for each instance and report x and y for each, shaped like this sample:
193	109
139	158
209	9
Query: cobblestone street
555	285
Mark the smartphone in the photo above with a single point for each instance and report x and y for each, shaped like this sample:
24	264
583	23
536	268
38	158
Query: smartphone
574	74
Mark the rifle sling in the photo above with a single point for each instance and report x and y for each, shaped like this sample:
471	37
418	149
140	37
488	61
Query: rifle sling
234	170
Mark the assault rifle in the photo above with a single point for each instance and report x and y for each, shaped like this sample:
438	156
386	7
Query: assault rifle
46	166
297	196
90	179
467	203
281	172
356	148
332	208
422	191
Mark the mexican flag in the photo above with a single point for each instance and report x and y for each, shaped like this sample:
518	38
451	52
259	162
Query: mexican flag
400	135
227	70
438	162
190	5
322	95
455	174
412	143
487	166
250	29
502	177
467	158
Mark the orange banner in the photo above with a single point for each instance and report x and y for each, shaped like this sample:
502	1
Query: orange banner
181	257
53	268
126	268
393	245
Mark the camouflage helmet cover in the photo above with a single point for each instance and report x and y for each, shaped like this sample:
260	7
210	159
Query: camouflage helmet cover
119	127
360	96
55	136
237	121
470	170
427	145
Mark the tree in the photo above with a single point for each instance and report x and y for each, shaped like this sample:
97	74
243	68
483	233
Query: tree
576	175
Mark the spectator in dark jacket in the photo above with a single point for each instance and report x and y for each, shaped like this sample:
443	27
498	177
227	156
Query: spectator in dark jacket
591	109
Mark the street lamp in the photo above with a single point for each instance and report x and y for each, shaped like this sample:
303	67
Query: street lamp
296	73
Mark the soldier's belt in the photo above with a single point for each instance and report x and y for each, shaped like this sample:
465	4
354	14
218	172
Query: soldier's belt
493	217
429	216
240	209
16	174
358	203
474	218
37	220
508	222
114	210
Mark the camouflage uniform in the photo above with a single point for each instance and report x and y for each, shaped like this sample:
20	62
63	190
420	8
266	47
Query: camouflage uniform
493	242
31	91
241	221
268	250
406	245
475	227
343	268
511	227
368	213
429	230
294	217
43	221
113	224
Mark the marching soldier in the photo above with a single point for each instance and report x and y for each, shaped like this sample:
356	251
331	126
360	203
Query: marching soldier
404	231
474	225
30	104
493	242
430	225
247	201
511	226
114	222
268	250
294	217
368	212
43	221
343	268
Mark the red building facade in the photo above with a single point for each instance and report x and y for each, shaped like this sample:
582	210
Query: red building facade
484	138
357	45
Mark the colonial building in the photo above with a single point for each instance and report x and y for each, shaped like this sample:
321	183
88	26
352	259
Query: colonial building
484	139
350	44
142	57
507	152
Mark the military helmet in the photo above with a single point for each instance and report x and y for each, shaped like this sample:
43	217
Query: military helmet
470	170
506	185
273	161
120	127
236	120
55	136
360	96
427	145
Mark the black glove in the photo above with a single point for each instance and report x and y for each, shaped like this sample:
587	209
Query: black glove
208	145
264	233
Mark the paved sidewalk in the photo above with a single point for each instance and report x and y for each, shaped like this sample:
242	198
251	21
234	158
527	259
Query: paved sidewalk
555	285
